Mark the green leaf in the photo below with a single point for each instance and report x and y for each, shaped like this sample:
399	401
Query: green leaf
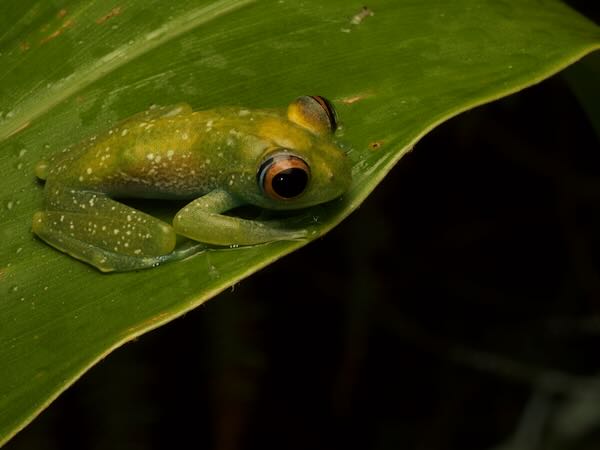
70	71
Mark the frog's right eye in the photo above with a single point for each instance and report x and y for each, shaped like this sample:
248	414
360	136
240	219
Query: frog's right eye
314	113
283	176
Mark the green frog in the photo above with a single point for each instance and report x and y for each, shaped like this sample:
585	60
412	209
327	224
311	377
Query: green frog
217	159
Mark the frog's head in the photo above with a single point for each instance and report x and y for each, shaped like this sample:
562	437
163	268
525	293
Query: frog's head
304	167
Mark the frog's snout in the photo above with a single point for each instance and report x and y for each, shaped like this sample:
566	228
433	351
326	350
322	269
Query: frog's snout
336	179
343	175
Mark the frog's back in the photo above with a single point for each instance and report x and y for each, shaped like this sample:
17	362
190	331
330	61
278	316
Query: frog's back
170	156
62	162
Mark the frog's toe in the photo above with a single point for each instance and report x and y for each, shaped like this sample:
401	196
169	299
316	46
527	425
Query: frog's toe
41	169
37	222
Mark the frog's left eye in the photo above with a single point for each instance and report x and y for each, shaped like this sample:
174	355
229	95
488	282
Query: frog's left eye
283	176
313	112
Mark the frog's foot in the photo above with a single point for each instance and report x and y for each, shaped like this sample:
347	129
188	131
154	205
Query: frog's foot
184	251
110	243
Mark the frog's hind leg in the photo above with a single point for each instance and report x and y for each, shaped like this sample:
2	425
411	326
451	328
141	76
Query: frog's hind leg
104	242
96	253
103	232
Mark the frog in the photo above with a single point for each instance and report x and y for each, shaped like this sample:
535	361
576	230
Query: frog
214	160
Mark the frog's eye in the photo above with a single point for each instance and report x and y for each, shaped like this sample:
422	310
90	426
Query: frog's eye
313	112
283	176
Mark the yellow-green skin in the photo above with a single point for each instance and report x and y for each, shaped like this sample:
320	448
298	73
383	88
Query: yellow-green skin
211	157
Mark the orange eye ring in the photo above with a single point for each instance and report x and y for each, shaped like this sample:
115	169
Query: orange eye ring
283	176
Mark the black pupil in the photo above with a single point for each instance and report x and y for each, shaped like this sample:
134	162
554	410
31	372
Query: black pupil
290	182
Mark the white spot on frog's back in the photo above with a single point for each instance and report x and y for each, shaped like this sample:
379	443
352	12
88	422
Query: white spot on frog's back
177	110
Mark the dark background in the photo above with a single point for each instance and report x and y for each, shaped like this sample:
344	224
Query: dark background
458	308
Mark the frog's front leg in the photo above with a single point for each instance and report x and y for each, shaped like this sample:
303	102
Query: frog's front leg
202	221
102	232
